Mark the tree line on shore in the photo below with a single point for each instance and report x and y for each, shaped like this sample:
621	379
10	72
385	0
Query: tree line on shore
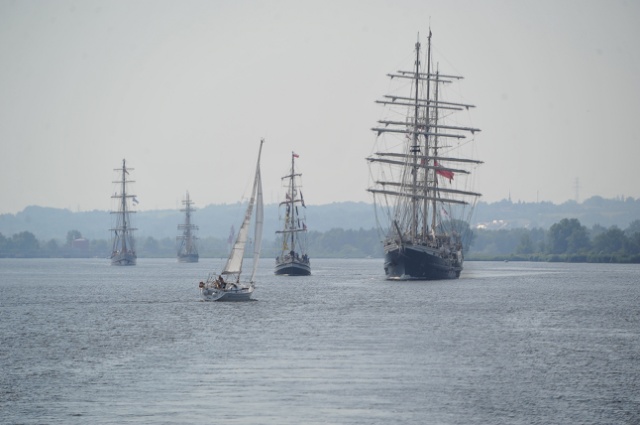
335	243
565	241
568	240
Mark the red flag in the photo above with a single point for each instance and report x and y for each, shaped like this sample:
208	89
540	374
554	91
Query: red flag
444	173
295	155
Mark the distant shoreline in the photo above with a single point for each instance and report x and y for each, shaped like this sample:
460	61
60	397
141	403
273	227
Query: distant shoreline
542	258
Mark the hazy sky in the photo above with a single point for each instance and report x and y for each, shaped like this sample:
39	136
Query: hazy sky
184	90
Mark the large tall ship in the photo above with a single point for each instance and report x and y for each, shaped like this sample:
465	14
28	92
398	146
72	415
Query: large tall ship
421	174
187	249
294	258
123	252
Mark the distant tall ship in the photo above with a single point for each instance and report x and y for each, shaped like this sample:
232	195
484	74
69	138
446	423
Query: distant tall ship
420	171
293	259
123	252
187	249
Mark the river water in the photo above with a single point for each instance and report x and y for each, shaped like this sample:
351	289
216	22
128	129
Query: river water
508	343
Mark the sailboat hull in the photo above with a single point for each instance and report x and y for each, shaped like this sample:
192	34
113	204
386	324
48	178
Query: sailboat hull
417	262
123	260
293	268
235	294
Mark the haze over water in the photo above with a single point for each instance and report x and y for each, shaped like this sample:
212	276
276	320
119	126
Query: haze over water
184	90
84	342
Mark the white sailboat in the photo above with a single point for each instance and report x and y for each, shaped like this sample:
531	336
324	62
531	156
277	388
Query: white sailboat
123	252
227	285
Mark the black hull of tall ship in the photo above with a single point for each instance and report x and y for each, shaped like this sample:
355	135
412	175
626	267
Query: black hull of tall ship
123	260
418	262
293	268
188	258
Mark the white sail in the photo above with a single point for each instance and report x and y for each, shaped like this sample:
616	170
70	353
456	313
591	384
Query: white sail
257	238
234	262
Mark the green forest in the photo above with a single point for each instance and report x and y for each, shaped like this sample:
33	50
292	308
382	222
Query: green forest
335	243
565	241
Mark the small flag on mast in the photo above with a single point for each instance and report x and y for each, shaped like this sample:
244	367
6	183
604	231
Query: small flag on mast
444	173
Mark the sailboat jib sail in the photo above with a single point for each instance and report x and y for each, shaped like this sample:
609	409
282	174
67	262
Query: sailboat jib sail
293	259
422	172
123	251
236	258
227	286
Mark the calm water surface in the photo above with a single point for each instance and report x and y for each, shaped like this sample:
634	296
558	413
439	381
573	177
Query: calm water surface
508	343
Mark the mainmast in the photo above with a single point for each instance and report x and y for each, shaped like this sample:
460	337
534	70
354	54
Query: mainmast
124	207
435	155
415	148
292	195
426	140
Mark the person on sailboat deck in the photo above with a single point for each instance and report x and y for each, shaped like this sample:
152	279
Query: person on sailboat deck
223	284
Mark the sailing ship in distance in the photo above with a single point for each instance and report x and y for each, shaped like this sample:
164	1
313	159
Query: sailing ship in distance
187	248
123	252
421	173
293	259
